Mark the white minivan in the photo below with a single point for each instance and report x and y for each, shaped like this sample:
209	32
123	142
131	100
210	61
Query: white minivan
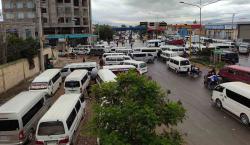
179	64
142	56
48	81
140	65
166	55
76	82
76	66
20	115
244	48
116	60
234	97
59	125
111	54
105	76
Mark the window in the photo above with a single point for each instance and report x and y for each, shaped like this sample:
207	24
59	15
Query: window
28	33
64	70
219	89
51	128
45	20
78	106
76	2
30	4
72	84
148	50
55	78
43	10
139	55
20	15
71	119
32	112
67	1
59	1
84	79
232	71
185	62
176	62
67	10
238	98
19	5
61	20
9	125
9	16
30	15
76	11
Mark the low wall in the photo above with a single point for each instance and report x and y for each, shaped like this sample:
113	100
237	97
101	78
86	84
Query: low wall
13	73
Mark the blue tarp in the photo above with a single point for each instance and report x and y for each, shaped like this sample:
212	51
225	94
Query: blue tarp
60	36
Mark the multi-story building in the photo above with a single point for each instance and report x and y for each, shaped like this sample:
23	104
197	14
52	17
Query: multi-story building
58	16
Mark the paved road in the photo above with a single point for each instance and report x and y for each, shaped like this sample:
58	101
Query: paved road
205	125
244	60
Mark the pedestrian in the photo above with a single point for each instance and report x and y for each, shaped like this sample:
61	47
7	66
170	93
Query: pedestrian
101	62
117	43
83	59
122	42
131	44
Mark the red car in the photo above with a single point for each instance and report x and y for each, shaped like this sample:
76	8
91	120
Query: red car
235	73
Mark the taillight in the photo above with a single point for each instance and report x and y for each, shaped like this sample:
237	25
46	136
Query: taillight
39	142
21	135
64	141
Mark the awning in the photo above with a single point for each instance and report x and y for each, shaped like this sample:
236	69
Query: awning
65	36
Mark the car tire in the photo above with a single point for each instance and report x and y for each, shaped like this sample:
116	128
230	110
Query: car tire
176	71
244	119
218	104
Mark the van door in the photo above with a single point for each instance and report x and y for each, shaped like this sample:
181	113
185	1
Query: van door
228	103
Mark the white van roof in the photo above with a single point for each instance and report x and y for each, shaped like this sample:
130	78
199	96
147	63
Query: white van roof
107	75
76	75
134	61
84	64
169	52
238	87
115	56
178	58
168	46
118	67
61	109
21	102
47	75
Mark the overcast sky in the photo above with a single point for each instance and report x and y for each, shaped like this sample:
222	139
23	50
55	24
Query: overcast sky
131	12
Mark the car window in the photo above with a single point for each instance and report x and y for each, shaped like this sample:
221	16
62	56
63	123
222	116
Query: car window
219	89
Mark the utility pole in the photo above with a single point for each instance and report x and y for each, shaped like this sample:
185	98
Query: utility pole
40	31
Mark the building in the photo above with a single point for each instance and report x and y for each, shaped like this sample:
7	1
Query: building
154	29
221	31
58	16
184	29
244	31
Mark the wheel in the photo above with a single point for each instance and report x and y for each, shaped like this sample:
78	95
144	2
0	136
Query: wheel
218	104
244	119
176	71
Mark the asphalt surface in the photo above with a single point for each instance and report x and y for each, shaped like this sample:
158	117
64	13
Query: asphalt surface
244	60
205	124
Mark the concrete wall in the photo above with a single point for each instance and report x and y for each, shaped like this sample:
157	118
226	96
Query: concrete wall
13	73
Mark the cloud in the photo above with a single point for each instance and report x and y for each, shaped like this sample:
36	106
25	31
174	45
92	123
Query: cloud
131	12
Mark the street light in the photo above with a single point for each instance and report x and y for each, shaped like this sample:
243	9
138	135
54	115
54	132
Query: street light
200	6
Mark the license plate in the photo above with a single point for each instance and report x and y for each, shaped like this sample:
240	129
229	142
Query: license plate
51	143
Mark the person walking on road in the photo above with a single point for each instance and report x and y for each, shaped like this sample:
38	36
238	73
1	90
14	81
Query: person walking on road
117	43
101	62
83	59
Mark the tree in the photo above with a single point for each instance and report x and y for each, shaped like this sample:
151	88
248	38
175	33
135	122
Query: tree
105	32
128	112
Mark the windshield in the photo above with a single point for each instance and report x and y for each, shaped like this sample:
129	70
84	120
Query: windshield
9	125
51	128
72	84
38	86
143	65
185	62
64	70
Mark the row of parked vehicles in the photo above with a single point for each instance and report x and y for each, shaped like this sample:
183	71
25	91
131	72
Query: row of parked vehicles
33	113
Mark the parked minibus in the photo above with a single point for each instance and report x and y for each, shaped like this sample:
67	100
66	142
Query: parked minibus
105	76
166	55
154	43
60	124
152	51
178	49
125	51
116	59
244	48
234	97
179	64
48	81
142	56
78	66
110	54
20	115
77	82
235	73
140	65
116	69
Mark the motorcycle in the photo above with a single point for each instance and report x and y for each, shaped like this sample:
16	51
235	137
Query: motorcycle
211	82
195	72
